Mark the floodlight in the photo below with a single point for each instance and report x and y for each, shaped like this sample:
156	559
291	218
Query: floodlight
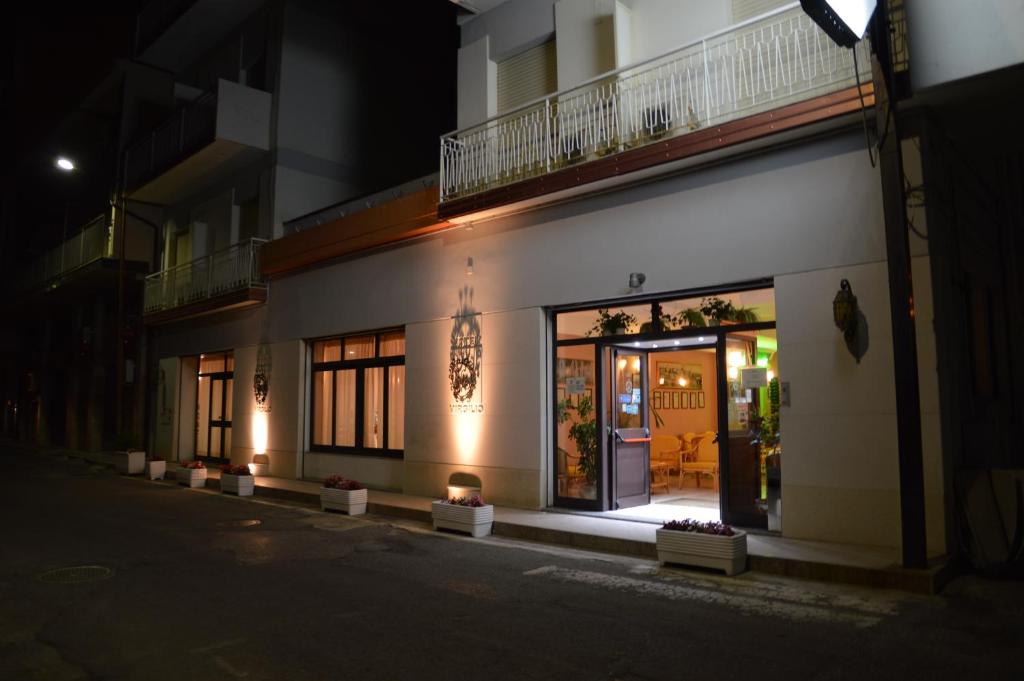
845	21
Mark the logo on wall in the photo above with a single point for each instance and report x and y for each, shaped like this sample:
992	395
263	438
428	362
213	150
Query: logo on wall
261	378
165	409
465	363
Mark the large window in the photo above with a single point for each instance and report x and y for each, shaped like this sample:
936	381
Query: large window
213	405
358	394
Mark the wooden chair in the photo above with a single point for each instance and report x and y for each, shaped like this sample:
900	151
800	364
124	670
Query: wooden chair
664	459
704	463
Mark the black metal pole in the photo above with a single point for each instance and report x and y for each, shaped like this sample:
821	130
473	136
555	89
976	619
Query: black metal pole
901	305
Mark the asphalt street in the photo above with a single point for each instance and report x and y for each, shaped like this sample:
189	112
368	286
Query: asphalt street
200	585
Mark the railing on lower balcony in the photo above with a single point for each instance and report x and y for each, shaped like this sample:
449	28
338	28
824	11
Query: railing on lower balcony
770	61
90	244
233	269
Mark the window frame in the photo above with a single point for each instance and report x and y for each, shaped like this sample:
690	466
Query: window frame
360	366
224	424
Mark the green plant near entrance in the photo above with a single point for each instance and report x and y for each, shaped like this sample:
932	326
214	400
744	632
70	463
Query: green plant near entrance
582	432
716	310
608	324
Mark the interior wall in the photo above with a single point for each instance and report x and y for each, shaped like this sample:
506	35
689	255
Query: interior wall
678	422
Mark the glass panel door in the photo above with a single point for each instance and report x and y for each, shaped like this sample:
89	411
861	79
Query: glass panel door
630	437
751	465
578	469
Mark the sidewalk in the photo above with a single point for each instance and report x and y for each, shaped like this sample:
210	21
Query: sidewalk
823	561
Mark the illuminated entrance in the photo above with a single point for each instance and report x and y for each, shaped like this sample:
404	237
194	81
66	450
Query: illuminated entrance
668	407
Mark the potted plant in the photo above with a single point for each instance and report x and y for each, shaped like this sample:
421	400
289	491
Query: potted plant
236	479
192	474
342	494
463	514
156	468
766	436
703	544
130	461
716	310
691	316
608	324
583	433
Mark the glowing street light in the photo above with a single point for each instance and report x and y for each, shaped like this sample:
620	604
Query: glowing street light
65	164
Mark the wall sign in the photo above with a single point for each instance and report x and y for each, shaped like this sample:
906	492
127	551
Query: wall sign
261	378
465	362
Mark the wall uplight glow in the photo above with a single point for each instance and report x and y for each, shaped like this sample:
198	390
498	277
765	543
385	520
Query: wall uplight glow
467	427
260	431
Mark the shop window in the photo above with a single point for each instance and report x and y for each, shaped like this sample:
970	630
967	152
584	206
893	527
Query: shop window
358	394
215	388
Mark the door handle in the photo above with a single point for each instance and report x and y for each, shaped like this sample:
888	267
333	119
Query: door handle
631	440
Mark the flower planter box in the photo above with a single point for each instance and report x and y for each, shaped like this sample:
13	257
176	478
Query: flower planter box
192	477
156	470
242	485
704	550
132	462
260	469
473	520
351	501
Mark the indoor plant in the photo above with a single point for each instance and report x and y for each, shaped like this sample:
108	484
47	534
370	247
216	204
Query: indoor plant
716	311
156	468
192	474
237	479
583	433
339	493
703	544
691	316
608	324
463	514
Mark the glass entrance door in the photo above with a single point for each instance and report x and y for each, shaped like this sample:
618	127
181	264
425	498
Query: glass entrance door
213	406
630	436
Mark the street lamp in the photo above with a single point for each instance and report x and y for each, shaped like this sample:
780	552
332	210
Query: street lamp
65	164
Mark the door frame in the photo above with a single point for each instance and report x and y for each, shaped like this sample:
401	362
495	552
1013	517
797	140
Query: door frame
605	489
224	377
610	432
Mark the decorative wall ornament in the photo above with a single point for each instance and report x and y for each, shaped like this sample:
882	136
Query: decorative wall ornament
465	361
849	319
261	378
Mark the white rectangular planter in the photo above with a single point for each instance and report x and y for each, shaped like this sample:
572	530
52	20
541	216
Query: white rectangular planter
192	477
242	485
476	521
704	550
351	501
156	470
131	462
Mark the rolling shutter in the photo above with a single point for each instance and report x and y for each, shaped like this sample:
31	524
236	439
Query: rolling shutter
529	75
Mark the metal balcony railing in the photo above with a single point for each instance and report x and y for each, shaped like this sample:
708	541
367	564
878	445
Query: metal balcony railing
767	62
232	269
187	131
92	243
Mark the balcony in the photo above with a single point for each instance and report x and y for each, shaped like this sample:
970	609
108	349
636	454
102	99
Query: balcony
227	279
92	250
765	76
201	143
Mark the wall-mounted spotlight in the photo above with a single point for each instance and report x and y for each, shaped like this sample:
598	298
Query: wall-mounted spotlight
469	266
636	280
65	164
845	21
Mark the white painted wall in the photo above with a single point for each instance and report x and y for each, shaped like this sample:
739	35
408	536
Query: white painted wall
953	39
477	83
807	215
663	25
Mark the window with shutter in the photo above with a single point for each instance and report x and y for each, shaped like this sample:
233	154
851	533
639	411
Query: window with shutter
527	76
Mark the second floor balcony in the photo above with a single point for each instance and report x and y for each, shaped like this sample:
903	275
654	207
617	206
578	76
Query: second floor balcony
771	74
199	144
228	278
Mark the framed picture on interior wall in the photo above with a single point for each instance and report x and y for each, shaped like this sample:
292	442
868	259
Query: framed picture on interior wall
573	368
677	403
560	394
693	374
670	374
700	400
693	399
656	400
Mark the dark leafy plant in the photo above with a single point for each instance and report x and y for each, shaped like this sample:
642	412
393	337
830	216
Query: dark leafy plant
744	315
608	324
764	430
691	317
341	482
231	469
475	501
583	432
691	525
193	465
716	309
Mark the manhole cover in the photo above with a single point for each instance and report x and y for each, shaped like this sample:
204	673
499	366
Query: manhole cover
76	575
252	522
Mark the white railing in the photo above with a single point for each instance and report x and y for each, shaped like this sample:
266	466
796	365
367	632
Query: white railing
234	268
92	243
767	62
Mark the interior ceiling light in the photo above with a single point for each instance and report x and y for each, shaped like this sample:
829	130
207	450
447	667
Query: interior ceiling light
845	21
